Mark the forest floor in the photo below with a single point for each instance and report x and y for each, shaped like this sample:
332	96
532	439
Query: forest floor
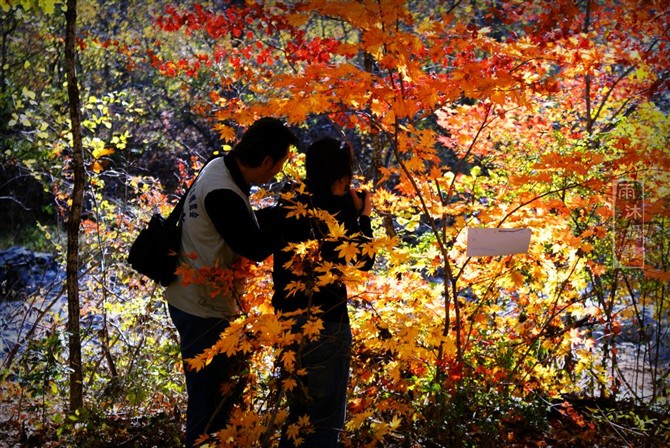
582	424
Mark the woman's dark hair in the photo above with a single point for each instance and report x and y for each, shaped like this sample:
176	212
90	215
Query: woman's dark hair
327	160
267	136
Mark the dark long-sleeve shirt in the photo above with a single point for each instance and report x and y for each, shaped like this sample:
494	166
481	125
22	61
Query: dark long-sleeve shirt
331	298
232	219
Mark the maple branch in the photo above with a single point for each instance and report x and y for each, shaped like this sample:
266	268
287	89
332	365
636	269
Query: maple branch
13	199
491	284
281	49
453	6
555	312
609	93
587	17
458	166
412	181
523	204
528	61
587	97
445	257
484	124
587	78
617	81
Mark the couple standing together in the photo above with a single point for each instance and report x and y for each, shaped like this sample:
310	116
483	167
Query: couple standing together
219	226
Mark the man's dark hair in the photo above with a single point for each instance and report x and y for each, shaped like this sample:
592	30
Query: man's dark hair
327	160
267	136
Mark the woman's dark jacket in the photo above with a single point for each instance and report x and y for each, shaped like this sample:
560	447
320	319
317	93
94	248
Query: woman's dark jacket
331	298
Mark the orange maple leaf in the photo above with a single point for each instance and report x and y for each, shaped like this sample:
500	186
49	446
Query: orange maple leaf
348	250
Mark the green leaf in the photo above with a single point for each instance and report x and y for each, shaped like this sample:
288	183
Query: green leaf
28	93
48	6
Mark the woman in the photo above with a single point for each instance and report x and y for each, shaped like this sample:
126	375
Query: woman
308	280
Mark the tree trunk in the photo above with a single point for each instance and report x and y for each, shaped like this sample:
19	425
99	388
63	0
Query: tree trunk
74	220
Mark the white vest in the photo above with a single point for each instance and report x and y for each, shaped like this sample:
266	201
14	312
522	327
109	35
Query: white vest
200	238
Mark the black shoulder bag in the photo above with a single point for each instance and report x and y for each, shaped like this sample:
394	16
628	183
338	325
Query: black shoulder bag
155	251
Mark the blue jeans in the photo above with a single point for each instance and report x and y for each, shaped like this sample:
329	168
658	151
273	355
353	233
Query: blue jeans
208	406
323	392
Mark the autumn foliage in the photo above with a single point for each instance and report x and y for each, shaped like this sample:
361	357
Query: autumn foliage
520	115
463	114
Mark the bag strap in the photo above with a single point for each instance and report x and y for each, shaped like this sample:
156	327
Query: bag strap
173	219
175	214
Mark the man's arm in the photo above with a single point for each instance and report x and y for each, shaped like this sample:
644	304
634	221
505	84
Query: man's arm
232	220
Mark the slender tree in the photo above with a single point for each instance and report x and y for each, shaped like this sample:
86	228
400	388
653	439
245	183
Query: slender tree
74	220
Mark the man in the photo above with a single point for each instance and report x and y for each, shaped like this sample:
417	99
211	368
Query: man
219	226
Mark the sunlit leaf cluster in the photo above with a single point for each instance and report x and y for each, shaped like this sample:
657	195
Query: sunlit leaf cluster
462	114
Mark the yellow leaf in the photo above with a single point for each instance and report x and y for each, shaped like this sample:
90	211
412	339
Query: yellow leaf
348	250
228	342
517	279
312	328
270	324
380	430
371	248
326	278
299	210
28	93
48	6
227	133
303	248
97	167
245	346
304	422
395	423
101	152
289	384
198	363
293	431
296	20
202	439
335	229
356	420
288	358
587	247
294	287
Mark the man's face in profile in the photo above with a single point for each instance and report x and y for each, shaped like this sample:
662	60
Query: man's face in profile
270	168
